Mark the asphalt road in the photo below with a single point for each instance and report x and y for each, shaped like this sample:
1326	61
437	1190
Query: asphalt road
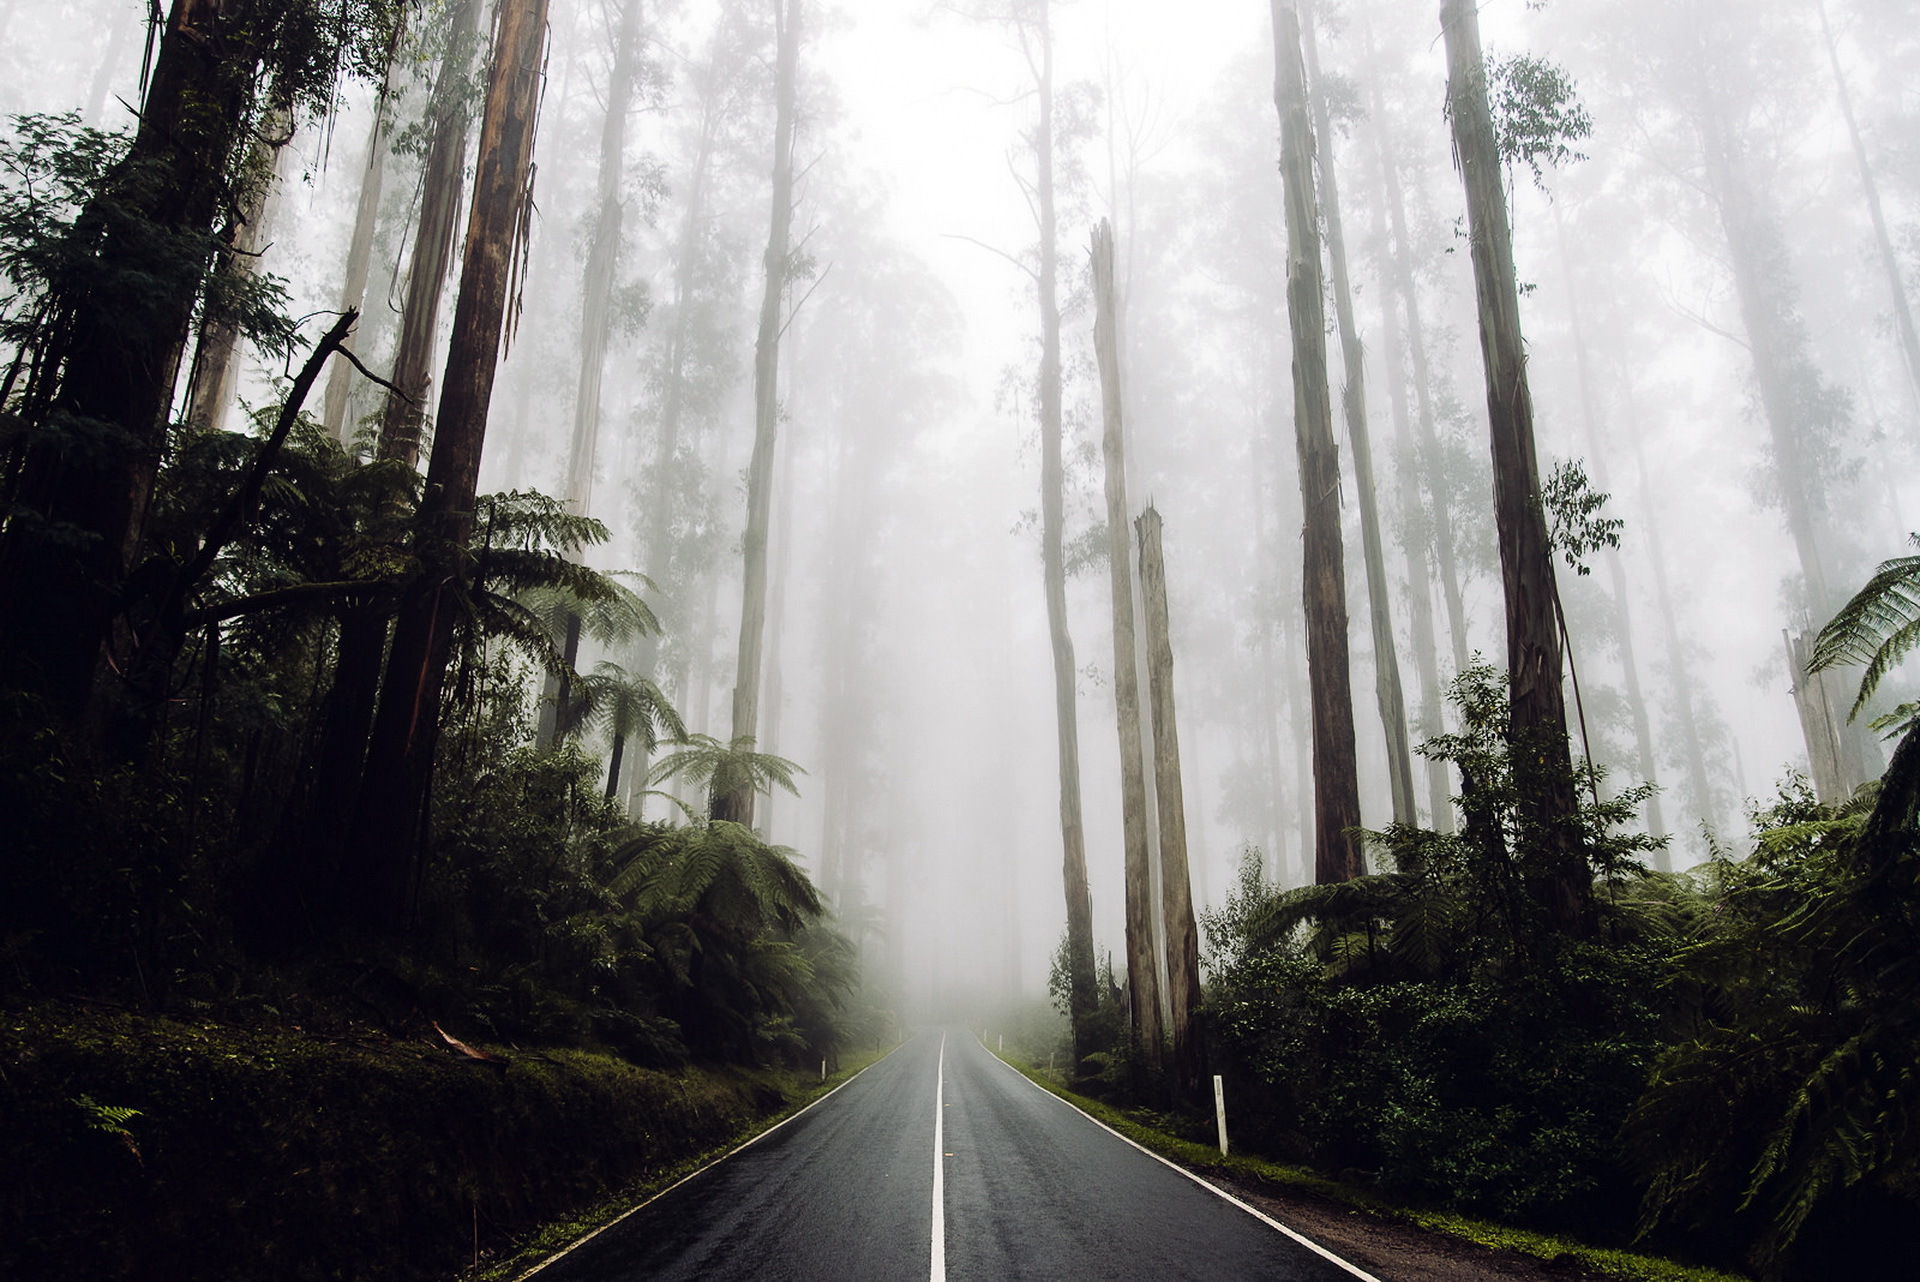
1020	1185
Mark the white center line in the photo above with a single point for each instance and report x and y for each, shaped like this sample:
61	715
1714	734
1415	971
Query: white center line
940	1168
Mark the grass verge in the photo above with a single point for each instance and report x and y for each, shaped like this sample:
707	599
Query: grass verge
1633	1266
533	1252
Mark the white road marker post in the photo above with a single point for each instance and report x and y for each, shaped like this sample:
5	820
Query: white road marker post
1003	1043
823	1070
1220	1111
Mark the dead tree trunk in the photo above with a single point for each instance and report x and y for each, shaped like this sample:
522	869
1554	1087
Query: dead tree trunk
1388	693
1543	766
1143	977
737	805
1336	785
381	866
1183	940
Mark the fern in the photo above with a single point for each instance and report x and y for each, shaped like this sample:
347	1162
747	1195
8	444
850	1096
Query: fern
1879	627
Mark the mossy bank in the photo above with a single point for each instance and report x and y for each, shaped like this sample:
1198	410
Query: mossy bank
157	1149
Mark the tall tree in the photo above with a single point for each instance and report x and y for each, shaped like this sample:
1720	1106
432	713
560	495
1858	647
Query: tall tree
559	714
1336	783
359	265
1388	694
1183	940
1542	763
1903	326
1143	974
737	805
381	865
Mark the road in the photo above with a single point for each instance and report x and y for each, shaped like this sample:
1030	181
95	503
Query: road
1019	1185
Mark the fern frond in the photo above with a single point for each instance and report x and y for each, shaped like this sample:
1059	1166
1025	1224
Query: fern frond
1877	628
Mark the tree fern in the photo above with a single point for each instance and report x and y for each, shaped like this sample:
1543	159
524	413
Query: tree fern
1879	627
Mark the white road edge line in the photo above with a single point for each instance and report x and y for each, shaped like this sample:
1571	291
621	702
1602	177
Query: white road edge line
577	1243
940	1168
1218	1192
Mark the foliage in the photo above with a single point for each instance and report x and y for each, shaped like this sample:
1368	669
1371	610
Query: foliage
1878	628
1537	114
1574	510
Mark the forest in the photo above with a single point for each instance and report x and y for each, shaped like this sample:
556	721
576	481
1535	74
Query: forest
597	564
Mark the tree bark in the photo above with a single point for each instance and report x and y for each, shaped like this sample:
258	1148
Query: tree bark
1080	963
1142	971
61	572
214	371
1542	764
1183	939
382	865
366	216
403	418
1388	693
1336	785
737	806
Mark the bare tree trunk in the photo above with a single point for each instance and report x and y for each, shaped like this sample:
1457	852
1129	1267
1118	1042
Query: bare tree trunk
366	217
123	28
1183	940
382	865
404	417
1142	972
1336	784
215	372
1386	659
1420	567
1623	609
1407	284
1903	326
737	806
559	715
1080	963
1542	764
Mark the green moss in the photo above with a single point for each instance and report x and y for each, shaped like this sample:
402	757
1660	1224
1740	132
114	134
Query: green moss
275	1153
1630	1265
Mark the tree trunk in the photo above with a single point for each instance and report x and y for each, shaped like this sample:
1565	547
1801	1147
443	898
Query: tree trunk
383	863
403	417
737	806
1183	940
109	66
1080	964
1623	609
61	572
215	372
1406	283
1386	659
557	716
1542	764
366	216
1142	971
1336	785
1903	326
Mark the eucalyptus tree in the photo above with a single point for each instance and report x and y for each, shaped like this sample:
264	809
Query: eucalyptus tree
400	755
1336	783
737	805
1537	704
1143	974
1388	694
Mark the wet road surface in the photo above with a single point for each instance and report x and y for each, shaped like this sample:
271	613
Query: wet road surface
1027	1187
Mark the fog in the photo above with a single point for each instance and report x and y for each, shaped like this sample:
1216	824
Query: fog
908	666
